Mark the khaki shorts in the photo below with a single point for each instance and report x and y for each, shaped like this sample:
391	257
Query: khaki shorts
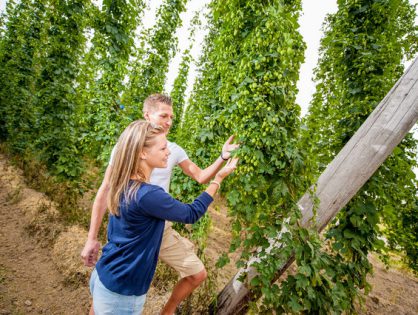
178	252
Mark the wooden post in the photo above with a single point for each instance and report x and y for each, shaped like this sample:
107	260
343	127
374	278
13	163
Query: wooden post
373	142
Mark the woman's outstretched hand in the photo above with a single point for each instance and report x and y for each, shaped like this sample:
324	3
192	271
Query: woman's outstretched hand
215	184
229	167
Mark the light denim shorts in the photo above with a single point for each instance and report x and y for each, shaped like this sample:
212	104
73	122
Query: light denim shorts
106	302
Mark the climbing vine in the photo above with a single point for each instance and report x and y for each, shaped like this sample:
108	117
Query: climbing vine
178	92
247	87
57	134
19	44
39	65
72	76
362	51
151	63
180	83
112	44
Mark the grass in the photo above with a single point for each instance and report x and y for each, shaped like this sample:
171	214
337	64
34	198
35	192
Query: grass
45	225
397	260
15	196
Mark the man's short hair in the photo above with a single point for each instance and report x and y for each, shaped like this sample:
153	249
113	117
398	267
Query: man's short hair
151	102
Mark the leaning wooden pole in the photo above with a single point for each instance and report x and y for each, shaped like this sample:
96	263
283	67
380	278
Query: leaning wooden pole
373	142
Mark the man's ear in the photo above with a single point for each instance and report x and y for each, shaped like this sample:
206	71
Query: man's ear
146	116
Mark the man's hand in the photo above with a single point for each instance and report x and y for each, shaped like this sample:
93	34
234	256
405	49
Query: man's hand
228	148
90	252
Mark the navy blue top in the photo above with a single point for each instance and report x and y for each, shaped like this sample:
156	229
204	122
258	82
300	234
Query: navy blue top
130	257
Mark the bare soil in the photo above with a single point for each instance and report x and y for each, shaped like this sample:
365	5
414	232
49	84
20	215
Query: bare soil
41	272
30	282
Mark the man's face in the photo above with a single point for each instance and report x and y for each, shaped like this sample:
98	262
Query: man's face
162	116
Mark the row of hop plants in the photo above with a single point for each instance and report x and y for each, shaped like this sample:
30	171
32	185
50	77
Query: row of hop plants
247	87
70	70
65	101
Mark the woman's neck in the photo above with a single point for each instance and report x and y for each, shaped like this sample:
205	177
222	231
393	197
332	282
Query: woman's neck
146	172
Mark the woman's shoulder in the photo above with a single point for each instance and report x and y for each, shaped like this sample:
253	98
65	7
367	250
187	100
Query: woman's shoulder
147	188
150	195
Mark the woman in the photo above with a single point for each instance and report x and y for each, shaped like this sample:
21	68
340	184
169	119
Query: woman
138	211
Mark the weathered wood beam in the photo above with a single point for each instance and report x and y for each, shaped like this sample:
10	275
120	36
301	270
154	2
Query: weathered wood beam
373	142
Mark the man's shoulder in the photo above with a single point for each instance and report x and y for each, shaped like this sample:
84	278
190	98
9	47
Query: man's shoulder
174	145
175	148
178	154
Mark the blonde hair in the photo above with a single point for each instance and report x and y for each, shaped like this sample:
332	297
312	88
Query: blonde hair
138	135
151	102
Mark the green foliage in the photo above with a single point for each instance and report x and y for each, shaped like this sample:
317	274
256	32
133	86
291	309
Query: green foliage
361	59
61	100
17	72
64	67
247	87
321	285
39	65
112	45
180	83
178	92
409	237
56	101
399	210
151	64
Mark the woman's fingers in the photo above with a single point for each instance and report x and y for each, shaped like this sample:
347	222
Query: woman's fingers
232	163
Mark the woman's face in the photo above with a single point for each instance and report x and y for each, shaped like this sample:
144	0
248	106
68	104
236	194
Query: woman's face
156	156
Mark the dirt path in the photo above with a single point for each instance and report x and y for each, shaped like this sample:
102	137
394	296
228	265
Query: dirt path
30	283
33	272
393	292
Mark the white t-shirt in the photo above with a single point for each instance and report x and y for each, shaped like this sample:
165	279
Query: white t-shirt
162	176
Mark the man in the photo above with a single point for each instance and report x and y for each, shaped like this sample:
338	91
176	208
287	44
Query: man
175	250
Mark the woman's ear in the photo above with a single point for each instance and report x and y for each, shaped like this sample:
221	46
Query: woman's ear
143	155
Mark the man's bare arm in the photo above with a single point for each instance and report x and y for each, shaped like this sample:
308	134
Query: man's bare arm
203	176
90	251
